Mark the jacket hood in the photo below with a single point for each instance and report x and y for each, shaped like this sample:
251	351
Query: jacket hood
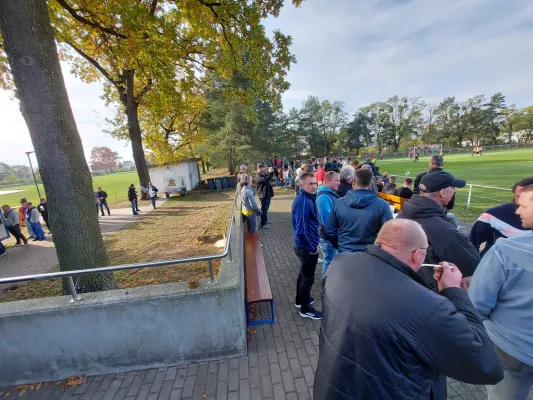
360	198
519	250
325	188
422	207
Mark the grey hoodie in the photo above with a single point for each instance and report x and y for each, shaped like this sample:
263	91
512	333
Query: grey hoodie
11	217
502	292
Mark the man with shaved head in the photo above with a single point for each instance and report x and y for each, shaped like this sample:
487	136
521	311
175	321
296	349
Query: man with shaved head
386	335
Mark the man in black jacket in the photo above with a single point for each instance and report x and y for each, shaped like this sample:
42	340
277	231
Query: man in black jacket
429	210
385	335
346	177
436	163
265	192
102	196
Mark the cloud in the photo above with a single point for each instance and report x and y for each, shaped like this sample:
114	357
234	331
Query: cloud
361	52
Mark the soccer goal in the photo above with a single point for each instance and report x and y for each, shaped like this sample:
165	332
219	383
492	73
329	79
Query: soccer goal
426	150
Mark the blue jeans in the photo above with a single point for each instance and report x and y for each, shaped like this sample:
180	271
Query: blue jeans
28	227
37	230
277	181
517	379
265	205
329	254
153	201
103	203
133	207
287	182
251	221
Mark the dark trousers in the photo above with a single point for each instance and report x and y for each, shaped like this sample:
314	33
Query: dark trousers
103	203
15	231
153	201
265	205
45	219
306	277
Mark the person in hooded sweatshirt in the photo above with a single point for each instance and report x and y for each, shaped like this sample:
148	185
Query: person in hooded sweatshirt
326	195
355	220
429	208
501	290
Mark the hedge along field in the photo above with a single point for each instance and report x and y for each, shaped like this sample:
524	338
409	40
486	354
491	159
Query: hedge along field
115	185
496	168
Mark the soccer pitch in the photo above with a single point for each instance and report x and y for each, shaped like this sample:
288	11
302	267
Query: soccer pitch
500	168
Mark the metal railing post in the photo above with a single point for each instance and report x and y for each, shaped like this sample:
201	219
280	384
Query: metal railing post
211	274
229	253
72	287
469	196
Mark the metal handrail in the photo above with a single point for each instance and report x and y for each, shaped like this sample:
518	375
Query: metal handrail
80	272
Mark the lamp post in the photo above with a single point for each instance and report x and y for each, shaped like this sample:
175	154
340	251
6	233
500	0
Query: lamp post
33	173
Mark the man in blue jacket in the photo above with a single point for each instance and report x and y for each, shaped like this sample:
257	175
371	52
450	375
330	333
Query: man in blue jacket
355	220
305	223
326	195
501	292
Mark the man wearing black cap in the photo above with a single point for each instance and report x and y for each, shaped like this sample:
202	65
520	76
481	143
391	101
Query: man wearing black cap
437	190
265	191
435	165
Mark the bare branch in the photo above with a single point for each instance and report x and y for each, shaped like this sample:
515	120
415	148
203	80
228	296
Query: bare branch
85	21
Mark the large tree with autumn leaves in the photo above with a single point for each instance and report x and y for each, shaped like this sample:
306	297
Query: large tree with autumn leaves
149	52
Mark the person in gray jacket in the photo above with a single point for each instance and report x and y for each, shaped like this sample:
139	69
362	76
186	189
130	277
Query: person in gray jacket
249	208
11	218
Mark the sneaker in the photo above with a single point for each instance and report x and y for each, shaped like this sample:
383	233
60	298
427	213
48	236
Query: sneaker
320	261
311	301
265	227
25	244
311	313
35	240
17	245
269	222
103	215
3	254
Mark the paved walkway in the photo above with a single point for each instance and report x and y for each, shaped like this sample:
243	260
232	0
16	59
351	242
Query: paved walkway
281	358
41	257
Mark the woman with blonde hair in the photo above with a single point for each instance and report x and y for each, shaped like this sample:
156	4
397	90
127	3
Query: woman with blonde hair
249	207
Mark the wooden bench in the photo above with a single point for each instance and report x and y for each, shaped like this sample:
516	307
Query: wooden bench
393	200
257	284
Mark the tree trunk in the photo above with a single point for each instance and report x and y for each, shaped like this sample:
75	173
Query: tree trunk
134	129
203	166
44	104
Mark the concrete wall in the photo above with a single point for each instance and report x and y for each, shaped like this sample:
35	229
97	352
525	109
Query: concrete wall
121	330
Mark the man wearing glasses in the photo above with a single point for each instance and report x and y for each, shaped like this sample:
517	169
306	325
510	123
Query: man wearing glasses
386	335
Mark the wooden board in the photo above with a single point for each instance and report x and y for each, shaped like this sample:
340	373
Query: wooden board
257	284
393	200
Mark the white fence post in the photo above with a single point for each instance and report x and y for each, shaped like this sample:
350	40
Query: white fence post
469	196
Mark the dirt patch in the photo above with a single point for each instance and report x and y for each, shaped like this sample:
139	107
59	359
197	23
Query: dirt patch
169	232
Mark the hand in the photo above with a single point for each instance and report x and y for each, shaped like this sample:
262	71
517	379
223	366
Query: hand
447	277
465	282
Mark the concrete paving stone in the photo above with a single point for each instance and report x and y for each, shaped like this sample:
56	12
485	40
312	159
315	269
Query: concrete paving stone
188	387
121	393
244	389
233	380
150	376
275	373
243	368
192	369
266	386
222	390
135	386
175	394
128	379
171	374
144	391
158	381
166	389
113	389
223	370
201	375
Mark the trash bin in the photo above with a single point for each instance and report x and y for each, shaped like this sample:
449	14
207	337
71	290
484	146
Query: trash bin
225	183
211	184
232	182
218	184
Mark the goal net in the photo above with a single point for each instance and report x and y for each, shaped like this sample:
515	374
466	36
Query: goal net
426	150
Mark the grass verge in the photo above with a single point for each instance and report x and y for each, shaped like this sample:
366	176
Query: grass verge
169	232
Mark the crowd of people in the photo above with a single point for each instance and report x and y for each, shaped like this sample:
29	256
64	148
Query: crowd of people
407	299
29	216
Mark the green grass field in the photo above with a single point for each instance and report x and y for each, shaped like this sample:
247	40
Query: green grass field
115	185
497	168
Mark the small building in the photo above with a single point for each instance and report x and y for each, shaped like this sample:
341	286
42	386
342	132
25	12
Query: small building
176	178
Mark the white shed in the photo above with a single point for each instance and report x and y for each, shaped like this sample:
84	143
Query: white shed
181	177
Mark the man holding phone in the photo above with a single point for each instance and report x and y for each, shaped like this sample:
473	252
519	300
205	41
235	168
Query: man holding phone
387	335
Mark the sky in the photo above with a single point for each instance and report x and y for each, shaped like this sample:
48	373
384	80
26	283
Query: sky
359	52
